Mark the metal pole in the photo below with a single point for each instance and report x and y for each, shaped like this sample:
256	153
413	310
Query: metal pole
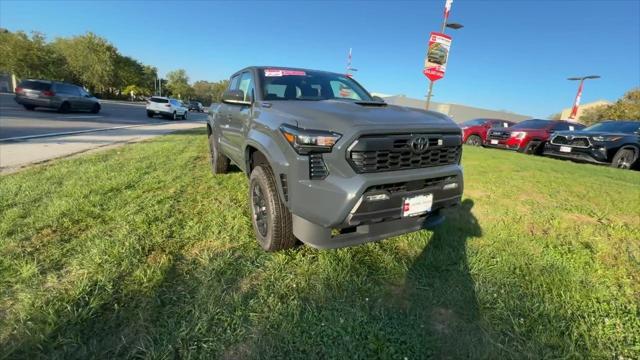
429	95
160	84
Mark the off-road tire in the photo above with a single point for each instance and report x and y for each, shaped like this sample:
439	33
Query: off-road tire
625	158
219	162
279	231
474	140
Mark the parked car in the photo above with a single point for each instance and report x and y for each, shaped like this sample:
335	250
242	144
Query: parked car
166	107
474	132
331	170
61	96
614	143
528	136
195	106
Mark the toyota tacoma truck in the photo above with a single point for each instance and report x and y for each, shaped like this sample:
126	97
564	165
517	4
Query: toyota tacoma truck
329	164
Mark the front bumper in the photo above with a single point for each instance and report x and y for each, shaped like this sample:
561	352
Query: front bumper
581	154
507	144
338	212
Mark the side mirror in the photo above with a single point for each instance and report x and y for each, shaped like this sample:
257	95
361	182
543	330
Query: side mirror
378	99
234	97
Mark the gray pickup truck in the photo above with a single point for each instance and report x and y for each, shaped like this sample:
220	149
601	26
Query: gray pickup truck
329	164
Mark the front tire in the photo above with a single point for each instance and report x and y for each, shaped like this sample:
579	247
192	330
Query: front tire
474	140
184	116
625	158
219	162
95	108
532	148
149	114
29	107
270	217
65	107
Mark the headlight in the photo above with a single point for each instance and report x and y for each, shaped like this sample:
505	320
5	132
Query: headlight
309	141
606	138
518	135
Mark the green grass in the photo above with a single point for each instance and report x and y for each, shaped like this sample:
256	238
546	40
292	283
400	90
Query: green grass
141	252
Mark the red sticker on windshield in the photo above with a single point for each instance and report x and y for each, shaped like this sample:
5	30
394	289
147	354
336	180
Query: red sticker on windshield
280	72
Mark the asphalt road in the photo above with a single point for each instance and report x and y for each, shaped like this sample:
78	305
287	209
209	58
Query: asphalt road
16	121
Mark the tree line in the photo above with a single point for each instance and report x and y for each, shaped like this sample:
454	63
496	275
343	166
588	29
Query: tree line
93	62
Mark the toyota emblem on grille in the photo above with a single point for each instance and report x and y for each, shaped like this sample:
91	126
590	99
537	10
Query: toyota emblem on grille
419	144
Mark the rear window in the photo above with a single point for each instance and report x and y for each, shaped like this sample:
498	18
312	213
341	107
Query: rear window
35	85
159	100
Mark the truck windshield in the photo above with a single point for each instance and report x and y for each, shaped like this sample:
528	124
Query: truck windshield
532	124
285	84
616	127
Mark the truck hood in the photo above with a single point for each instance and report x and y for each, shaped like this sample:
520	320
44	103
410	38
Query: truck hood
592	133
336	115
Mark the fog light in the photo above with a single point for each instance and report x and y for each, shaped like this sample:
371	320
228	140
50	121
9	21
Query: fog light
450	186
377	197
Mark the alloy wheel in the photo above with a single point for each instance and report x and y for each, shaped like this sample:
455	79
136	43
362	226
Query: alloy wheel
259	205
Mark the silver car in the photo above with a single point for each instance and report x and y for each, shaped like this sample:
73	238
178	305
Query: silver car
61	96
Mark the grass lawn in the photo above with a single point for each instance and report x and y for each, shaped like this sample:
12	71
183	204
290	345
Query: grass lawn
140	252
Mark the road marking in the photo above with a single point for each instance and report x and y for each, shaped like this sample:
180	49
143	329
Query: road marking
16	138
81	117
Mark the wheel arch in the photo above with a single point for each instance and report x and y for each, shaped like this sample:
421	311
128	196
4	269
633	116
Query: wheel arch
255	154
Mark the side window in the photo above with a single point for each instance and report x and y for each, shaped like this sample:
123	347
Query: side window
233	84
246	85
67	89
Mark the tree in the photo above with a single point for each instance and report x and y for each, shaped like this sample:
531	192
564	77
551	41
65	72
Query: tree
178	84
626	108
91	59
30	57
217	90
556	116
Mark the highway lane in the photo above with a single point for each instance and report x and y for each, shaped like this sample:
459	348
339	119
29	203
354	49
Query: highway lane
16	121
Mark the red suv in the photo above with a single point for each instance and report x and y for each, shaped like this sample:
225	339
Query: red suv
474	132
528	136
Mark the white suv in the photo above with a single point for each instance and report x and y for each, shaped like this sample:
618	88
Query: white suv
166	107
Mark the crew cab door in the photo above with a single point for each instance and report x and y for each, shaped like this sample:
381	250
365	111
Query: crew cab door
223	119
241	115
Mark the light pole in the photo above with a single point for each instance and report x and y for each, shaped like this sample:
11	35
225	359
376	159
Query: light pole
445	24
576	102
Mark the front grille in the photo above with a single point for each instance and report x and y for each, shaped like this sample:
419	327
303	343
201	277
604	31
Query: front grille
317	168
377	153
500	135
406	186
575	141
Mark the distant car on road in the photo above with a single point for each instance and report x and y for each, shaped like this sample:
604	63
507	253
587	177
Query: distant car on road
166	107
474	132
61	96
195	106
528	136
614	143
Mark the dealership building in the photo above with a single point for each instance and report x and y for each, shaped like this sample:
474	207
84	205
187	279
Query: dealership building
459	113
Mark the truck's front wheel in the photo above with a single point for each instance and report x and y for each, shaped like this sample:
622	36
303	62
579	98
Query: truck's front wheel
270	217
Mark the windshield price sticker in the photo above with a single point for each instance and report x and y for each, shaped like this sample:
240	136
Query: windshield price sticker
280	72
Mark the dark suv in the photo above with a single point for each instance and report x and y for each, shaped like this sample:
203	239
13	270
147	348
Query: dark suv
61	96
615	143
329	164
528	136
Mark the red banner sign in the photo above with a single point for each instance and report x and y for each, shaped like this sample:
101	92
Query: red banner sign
435	64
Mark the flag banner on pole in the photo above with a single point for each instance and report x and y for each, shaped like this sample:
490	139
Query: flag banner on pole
435	63
447	9
576	103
